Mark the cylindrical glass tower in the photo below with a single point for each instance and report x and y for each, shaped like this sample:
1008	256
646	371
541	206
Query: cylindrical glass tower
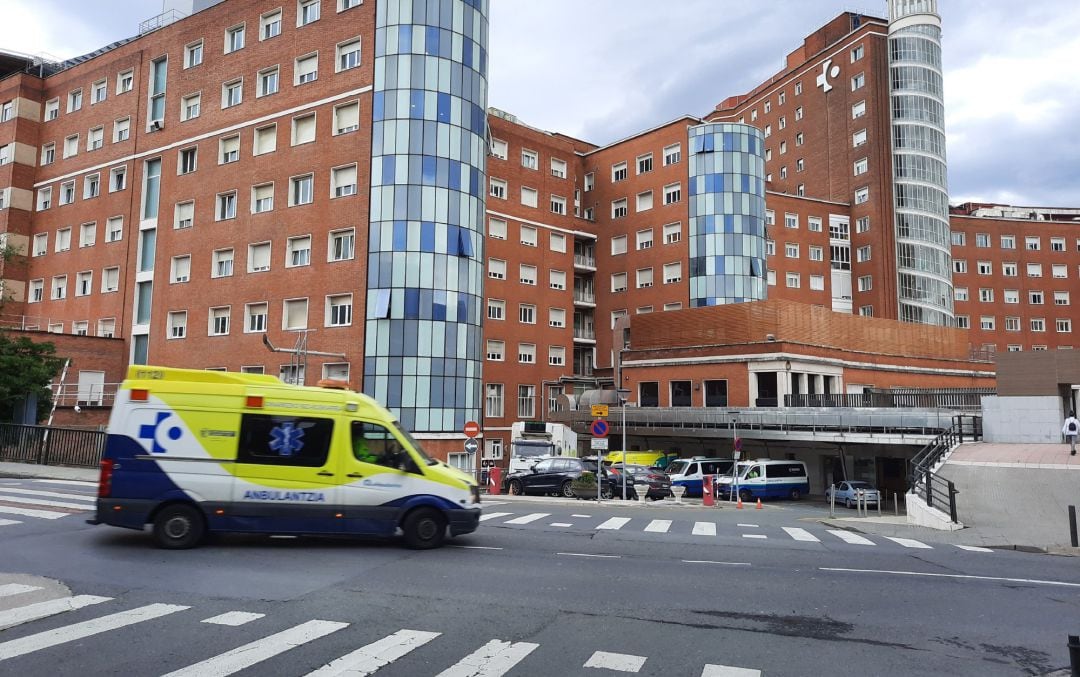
422	347
727	214
920	189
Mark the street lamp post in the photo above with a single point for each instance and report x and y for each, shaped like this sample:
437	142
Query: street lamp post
624	396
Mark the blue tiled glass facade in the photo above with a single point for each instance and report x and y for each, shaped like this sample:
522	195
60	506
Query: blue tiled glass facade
727	214
423	349
920	192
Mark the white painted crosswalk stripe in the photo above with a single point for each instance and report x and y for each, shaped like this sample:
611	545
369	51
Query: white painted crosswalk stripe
77	631
367	659
6	523
30	512
50	494
234	618
659	526
26	500
974	548
33	612
728	671
561	525
525	519
619	662
704	529
909	543
761	536
491	660
9	589
74	483
614	523
260	650
848	537
493	515
801	535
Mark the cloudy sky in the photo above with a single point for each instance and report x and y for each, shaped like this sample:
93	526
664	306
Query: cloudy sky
602	69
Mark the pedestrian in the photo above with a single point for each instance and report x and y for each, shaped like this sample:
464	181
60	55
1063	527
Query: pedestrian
1070	430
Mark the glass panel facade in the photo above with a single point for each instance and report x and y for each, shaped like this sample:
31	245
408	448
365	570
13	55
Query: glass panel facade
920	191
423	356
727	214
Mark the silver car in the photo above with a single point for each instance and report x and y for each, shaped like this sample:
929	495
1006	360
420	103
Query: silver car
846	493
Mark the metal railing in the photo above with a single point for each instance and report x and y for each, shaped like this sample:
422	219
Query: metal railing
95	395
51	445
965	399
586	261
584	297
937	491
584	333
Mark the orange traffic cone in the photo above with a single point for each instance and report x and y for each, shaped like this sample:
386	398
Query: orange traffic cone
739	504
759	504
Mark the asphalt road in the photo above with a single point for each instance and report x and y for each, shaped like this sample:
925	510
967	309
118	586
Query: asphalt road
539	590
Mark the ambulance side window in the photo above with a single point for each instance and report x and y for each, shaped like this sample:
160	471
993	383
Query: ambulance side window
372	443
284	440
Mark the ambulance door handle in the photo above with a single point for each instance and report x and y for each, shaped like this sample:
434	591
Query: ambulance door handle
355	474
325	474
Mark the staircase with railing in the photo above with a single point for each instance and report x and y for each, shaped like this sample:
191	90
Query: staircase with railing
938	492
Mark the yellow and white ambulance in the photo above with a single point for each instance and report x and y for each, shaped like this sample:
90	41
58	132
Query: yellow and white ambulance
192	452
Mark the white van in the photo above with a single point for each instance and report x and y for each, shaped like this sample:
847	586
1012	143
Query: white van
688	472
768	478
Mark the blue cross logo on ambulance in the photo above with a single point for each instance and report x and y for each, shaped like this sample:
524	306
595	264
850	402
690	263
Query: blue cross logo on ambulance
270	458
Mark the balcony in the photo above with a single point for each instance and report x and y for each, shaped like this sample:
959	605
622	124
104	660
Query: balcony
582	262
584	335
584	298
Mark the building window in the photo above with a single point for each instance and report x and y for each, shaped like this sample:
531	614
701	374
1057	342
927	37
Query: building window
527	313
1012	296
791	220
268	82
258	257
557	355
339	310
1012	324
862	195
307	11
348	55
986	295
1057	244
959	266
184	215
71	146
265	140
618	172
1059	271
497	269
644	163
644	201
44	200
91	186
67	193
530	159
493	400
791	250
558	205
306	69
556	318
219	321
672	272
528	235
1034	270
74	101
59	287
121	130
347	118
343	181
232	93
558	168
618	208
496	229
557	242
644	278
528	196
1009	269
793	280
234	38
180	271
95	139
1064	326
301	190
496	350
52	109
255	313
618	245
527	274
817	283
862	254
496	309
645	239
858	81
961	294
84	282
190	107
672	154
187	160
1061	298
618	282
270	25
862	166
341	245
858	110
963	322
986	323
985	268
526	401
177	324
110	280
114	230
1035	298
262	198
672	193
816	253
497	188
1031	243
1008	242
672	233
590	181
1038	324
223	263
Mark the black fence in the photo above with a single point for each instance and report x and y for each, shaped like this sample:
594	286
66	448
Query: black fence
51	445
964	399
936	491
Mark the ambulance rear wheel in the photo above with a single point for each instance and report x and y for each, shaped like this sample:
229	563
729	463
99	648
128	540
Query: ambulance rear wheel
179	527
424	529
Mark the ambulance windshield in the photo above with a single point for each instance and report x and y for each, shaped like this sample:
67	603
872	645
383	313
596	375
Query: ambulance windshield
415	445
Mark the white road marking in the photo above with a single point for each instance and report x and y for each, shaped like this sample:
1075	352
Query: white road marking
909	543
33	612
249	654
76	483
585	554
474	547
491	660
704	528
234	618
728	671
493	515
495	502
525	519
707	561
614	523
659	526
49	494
371	657
754	536
561	525
29	512
801	535
41	501
848	537
10	589
966	576
615	661
974	548
4	523
752	526
77	631
586	516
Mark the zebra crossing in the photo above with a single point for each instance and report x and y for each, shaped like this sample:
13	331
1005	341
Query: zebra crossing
493	658
708	529
44	499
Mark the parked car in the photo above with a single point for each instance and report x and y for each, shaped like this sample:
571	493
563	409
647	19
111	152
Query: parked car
658	482
846	493
688	472
553	476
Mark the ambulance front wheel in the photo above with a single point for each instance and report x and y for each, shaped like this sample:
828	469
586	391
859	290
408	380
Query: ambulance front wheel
424	529
178	527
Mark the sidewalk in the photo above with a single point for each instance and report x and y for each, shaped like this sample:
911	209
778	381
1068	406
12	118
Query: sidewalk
52	472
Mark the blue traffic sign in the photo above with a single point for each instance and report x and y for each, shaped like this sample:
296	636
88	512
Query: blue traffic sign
599	428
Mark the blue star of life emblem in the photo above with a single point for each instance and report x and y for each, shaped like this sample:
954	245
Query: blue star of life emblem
286	439
149	432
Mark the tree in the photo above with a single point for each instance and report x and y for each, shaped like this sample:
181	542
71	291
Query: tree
26	369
